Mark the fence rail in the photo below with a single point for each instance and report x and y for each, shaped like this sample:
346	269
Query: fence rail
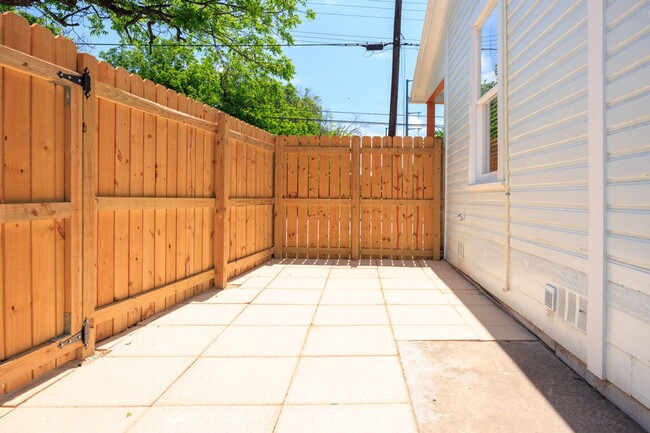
117	205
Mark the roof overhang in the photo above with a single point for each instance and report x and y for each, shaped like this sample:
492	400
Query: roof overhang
430	66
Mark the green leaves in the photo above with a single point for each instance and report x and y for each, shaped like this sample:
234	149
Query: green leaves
225	53
228	83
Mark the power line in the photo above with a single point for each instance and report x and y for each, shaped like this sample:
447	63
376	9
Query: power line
415	114
365	38
363	7
307	119
362	16
315	44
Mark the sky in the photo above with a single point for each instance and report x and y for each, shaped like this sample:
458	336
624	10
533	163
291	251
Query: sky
353	84
351	79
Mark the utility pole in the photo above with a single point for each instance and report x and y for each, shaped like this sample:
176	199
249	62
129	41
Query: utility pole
394	88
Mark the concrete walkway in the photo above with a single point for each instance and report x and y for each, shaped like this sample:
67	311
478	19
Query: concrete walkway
311	347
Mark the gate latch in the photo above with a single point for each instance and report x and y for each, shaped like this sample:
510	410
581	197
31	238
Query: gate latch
83	335
82	80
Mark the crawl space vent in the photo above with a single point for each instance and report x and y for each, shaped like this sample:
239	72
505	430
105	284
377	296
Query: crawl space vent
569	305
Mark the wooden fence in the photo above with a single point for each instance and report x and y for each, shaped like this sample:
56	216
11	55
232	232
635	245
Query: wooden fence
120	200
351	197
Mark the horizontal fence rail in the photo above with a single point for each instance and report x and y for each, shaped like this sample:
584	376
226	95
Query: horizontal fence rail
122	200
351	197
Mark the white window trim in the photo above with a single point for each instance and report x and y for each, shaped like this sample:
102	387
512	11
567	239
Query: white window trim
478	180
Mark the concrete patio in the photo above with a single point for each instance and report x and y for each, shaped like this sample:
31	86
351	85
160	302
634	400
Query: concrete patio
315	346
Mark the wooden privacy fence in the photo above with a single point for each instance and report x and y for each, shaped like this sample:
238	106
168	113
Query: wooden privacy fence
120	198
113	206
352	197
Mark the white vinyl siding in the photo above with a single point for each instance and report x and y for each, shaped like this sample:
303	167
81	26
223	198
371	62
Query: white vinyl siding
627	74
483	218
547	142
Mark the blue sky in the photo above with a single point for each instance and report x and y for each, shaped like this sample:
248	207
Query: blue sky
350	79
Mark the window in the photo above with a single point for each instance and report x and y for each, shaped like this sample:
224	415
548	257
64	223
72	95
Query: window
486	82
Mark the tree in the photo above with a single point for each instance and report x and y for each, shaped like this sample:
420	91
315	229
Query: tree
225	53
248	94
250	30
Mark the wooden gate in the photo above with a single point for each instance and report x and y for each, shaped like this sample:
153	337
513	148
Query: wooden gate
40	203
352	197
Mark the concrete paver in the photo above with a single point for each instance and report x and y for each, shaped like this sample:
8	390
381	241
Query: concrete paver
351	315
259	341
350	340
154	341
336	380
358	418
276	315
352	297
71	419
113	382
321	346
213	419
219	381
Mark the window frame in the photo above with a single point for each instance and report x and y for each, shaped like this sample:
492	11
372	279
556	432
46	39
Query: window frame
479	105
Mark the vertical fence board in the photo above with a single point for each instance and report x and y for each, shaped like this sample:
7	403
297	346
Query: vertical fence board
160	215
181	191
312	211
387	193
43	189
397	193
105	187
418	179
323	211
354	216
428	188
170	214
284	231
303	190
406	241
121	182
222	191
335	186
136	189
366	187
149	190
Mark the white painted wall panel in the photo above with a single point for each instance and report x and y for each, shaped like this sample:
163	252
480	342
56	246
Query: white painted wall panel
627	71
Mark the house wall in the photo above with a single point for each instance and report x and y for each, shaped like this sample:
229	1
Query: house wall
627	72
547	64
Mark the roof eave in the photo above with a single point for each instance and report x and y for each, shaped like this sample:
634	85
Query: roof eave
429	55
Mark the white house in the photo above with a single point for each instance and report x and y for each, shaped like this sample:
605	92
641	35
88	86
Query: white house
547	150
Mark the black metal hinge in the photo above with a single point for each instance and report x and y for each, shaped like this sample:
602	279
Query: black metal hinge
83	335
82	80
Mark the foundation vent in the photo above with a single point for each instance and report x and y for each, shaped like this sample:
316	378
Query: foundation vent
550	294
570	306
582	315
561	302
461	249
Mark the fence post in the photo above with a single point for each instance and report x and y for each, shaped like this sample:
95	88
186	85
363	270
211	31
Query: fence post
89	192
437	178
222	193
356	214
278	232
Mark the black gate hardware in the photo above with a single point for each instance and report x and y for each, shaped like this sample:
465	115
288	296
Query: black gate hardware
82	80
83	335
